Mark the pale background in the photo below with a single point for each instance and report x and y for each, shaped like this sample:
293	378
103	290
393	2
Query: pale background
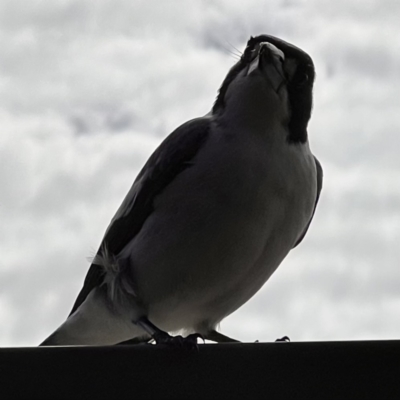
90	88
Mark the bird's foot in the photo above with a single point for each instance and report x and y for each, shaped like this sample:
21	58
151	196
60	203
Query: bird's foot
283	339
162	337
188	342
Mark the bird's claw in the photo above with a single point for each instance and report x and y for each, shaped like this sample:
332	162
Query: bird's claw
188	342
283	339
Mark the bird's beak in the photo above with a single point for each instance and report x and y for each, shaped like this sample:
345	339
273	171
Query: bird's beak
268	60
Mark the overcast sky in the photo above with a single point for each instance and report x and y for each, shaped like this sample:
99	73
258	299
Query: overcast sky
90	88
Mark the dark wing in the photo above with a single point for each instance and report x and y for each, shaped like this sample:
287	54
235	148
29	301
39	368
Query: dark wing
319	187
173	156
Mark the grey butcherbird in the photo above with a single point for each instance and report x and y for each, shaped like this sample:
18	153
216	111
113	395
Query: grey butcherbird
213	212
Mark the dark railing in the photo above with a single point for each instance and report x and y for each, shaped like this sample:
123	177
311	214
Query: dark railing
297	370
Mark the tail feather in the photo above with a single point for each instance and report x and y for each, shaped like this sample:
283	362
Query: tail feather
96	323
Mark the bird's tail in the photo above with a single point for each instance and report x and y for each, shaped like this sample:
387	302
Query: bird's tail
95	323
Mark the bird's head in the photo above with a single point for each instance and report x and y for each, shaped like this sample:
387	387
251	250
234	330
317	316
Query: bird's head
271	83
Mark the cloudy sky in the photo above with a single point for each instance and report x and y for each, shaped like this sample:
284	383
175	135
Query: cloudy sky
90	88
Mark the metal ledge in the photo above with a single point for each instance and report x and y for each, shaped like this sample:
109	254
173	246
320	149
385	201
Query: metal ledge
302	370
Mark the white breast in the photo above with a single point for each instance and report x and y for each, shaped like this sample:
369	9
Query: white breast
221	228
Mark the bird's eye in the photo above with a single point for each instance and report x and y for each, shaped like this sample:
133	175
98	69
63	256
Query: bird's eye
302	79
249	53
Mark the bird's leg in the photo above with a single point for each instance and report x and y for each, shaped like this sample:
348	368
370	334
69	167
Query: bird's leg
219	337
162	337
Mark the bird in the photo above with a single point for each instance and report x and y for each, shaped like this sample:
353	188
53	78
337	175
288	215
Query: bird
212	214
